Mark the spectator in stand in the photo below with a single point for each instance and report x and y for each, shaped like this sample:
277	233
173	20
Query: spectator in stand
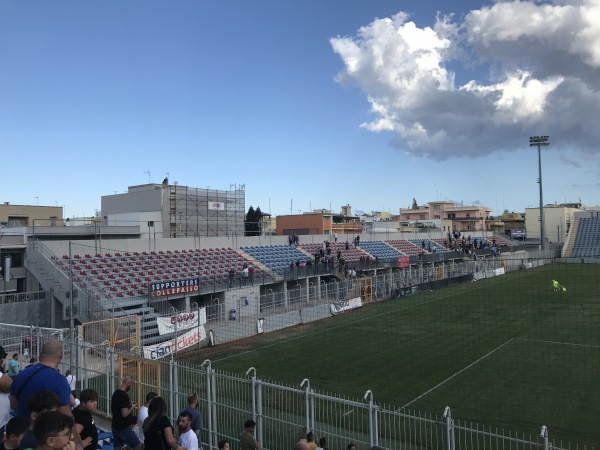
31	362
15	429
310	440
72	380
40	376
231	275
158	431
40	402
187	437
223	445
84	421
143	413
301	445
247	439
122	408
251	275
13	366
245	273
5	384
351	446
54	431
322	444
193	402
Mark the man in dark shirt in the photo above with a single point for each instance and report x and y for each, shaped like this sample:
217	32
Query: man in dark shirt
84	421
122	408
192	408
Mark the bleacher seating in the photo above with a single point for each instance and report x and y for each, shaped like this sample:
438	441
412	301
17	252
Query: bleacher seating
406	247
380	249
587	240
129	274
429	245
276	257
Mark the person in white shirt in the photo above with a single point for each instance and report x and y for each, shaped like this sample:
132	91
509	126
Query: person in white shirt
5	384
143	414
187	437
72	380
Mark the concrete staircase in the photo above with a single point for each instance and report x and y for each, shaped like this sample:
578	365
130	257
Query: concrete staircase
568	248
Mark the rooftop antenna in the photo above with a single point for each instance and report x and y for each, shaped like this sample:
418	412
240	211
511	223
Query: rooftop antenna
36	201
148	172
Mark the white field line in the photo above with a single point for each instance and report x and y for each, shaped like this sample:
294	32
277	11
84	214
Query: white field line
456	374
559	343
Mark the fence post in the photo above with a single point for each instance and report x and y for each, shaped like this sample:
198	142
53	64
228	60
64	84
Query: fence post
213	412
212	429
373	431
259	414
171	365
254	399
176	387
110	373
544	435
449	428
307	402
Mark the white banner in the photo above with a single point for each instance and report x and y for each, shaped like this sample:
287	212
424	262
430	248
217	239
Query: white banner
184	321
219	206
184	341
346	305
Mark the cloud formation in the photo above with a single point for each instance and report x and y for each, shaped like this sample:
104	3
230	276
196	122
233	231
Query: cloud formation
537	66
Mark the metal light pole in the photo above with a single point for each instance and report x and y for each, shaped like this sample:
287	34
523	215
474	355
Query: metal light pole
539	142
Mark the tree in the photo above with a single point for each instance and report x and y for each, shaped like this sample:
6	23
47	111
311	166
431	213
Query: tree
252	225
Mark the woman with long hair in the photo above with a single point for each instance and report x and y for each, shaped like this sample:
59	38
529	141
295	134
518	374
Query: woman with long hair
158	430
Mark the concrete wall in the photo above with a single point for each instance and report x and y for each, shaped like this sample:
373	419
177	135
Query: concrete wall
228	331
32	312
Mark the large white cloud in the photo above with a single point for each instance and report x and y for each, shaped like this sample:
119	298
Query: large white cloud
538	66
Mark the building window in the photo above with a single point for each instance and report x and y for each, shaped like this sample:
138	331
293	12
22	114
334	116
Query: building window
436	207
53	221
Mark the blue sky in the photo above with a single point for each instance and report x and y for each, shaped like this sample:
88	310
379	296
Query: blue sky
310	104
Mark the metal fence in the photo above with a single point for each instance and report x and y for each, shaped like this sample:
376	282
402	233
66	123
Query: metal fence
282	412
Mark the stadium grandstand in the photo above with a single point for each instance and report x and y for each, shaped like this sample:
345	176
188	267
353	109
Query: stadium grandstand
584	240
234	286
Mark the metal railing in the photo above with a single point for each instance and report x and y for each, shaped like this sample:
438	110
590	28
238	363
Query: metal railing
283	412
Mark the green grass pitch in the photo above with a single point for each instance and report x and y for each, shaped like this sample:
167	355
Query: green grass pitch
507	351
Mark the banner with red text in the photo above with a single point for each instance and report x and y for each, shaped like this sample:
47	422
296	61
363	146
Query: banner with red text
192	337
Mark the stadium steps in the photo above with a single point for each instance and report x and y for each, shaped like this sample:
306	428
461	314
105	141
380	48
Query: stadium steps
571	239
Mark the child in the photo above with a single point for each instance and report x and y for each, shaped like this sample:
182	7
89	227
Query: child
39	402
84	421
15	429
53	431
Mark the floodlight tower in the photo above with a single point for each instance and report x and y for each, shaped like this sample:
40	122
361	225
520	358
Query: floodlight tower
539	142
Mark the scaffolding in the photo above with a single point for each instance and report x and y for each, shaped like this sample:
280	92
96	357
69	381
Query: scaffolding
194	212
